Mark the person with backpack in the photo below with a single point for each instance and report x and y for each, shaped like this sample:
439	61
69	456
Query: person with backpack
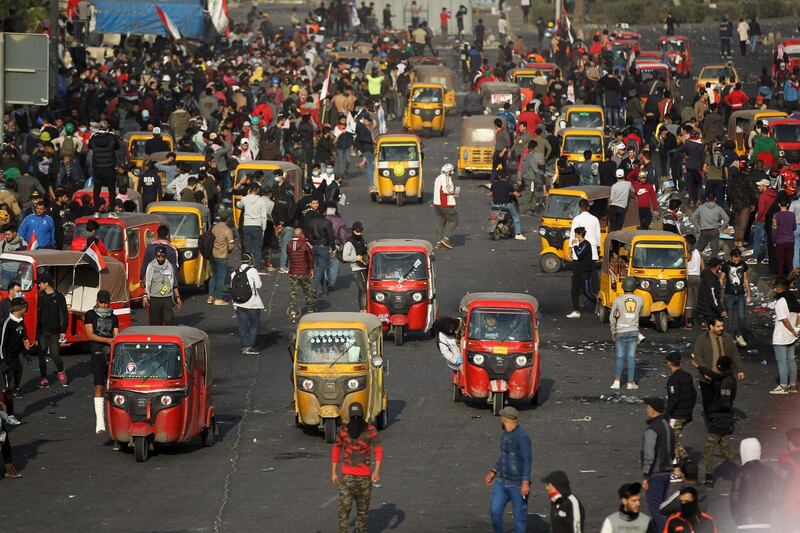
355	252
245	282
161	288
216	246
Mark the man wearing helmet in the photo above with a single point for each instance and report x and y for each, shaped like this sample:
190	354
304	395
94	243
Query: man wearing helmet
624	318
444	203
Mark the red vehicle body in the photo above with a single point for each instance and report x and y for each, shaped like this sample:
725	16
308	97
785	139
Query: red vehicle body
679	53
650	56
126	237
789	49
786	132
400	285
627	35
75	276
159	387
499	348
132	195
525	80
651	70
628	45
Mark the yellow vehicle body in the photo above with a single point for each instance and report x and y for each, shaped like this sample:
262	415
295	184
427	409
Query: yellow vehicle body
290	170
575	141
398	168
476	145
425	109
711	74
742	122
187	222
194	159
556	224
585	116
441	75
657	259
134	145
337	359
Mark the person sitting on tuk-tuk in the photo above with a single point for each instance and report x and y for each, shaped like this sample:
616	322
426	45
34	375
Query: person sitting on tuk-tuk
91	228
101	325
446	330
490	329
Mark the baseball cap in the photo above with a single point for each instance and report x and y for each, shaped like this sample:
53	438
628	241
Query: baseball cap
620	173
509	412
714	261
156	131
656	403
674	357
355	409
764	182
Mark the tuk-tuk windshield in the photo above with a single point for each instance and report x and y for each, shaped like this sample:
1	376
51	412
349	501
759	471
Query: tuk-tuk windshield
252	173
658	256
672	45
147	360
577	144
501	324
137	149
18	271
786	133
427	95
398	152
110	234
525	82
182	225
561	206
585	119
397	265
716	72
329	346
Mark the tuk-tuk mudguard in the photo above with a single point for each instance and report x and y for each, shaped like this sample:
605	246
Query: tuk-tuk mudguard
398	320
140	429
415	320
522	385
311	413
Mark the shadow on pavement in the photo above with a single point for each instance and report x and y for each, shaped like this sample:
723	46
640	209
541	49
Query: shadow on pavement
45	402
387	517
28	452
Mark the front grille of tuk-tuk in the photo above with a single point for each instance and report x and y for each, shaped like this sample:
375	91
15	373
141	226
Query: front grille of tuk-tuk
554	237
398	302
661	289
330	390
482	156
499	366
427	114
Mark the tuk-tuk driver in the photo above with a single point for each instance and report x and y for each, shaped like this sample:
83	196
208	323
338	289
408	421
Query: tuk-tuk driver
490	330
101	325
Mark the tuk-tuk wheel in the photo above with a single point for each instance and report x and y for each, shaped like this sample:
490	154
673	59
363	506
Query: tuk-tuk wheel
400	198
535	399
330	430
662	321
602	312
141	449
499	401
421	198
398	335
457	396
382	421
550	263
373	196
208	435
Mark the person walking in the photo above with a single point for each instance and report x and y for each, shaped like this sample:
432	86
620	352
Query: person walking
735	281
709	295
567	514
284	213
502	147
784	337
161	289
13	344
101	326
355	252
658	449
319	232
694	270
628	519
646	200
719	417
339	236
743	31
444	203
783	228
510	478
582	266
789	472
245	282
766	197
690	518
356	443
51	329
709	217
626	310
754	489
708	348
301	269
681	397
104	146
254	221
621	193
591	224
223	244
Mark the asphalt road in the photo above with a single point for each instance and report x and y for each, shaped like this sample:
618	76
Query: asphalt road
264	474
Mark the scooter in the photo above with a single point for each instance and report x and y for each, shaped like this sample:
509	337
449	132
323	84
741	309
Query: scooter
500	226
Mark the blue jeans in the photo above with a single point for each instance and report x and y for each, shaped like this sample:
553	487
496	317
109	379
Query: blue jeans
322	256
734	304
219	275
502	492
369	168
796	256
625	346
759	235
248	325
655	495
253	242
283	240
753	43
787	364
332	272
612	116
514	216
342	163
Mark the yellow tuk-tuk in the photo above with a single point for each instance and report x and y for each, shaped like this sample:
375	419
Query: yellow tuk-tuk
425	108
398	168
337	359
193	159
441	75
292	172
575	141
555	228
476	145
134	145
657	259
584	116
741	124
496	93
187	221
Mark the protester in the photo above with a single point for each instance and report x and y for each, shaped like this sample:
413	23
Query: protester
628	518
582	266
301	270
101	325
690	517
355	252
161	289
719	415
245	283
658	449
626	310
681	397
754	489
52	322
222	245
708	348
784	337
735	280
444	203
567	514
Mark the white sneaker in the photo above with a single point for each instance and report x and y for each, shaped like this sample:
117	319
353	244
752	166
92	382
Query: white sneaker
521	237
14	421
615	385
779	390
574	314
740	342
632	386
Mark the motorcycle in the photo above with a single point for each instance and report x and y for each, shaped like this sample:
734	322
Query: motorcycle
500	226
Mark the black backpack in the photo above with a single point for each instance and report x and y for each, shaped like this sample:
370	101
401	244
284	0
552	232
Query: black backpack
241	290
206	245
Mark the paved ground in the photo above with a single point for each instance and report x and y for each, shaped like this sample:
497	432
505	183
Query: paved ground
264	474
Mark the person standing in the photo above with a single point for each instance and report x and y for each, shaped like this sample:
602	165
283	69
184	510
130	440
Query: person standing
784	337
161	289
101	326
502	146
620	195
709	217
339	228
284	213
319	232
624	318
725	36
709	295
719	417
766	197
51	330
646	200
104	146
628	519
40	224
254	222
526	8
582	266
681	397
658	449
743	30
690	518
301	269
754	489
789	472
222	245
566	510
13	343
444	20
694	270
245	282
783	228
510	478
479	34
591	224
755	33
355	252
356	443
735	280
444	203
460	14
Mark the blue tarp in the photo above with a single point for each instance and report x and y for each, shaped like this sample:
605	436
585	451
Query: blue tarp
140	16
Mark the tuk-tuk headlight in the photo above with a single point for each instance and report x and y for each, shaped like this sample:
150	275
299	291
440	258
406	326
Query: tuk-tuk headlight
385	173
521	360
380	297
679	285
543	232
119	400
308	384
188	254
377	362
417	111
645	284
437	112
478	359
412	172
418	296
566	234
352	384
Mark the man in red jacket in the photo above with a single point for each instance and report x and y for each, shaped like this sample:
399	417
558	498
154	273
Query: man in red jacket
737	98
766	197
301	270
646	200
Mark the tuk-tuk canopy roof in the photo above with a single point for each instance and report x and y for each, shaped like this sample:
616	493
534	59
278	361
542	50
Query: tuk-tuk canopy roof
132	195
398	137
388	243
182	205
592	192
750	115
263	163
370	321
131	220
425	73
499	87
627	235
582	107
187	334
589	132
471	298
179	156
131	134
477	122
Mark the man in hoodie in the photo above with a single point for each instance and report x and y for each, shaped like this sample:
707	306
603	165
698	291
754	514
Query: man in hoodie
301	269
510	478
628	519
161	286
690	519
754	489
709	218
719	417
254	222
566	510
681	397
709	295
104	146
658	449
355	252
11	240
789	471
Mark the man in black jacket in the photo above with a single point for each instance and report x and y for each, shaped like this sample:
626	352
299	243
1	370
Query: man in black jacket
104	145
709	295
319	232
658	449
754	490
681	397
566	511
51	330
284	214
719	418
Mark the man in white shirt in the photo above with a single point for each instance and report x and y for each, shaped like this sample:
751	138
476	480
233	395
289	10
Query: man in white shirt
444	203
591	224
248	313
257	211
620	195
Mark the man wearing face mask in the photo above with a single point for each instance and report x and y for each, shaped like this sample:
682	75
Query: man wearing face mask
690	518
161	284
628	519
510	478
355	444
102	325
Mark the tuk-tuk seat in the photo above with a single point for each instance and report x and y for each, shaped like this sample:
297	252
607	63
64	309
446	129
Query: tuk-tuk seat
81	298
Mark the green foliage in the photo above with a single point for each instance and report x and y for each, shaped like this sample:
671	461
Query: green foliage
26	13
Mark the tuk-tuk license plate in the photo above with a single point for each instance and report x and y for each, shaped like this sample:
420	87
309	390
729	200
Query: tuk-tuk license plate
503	350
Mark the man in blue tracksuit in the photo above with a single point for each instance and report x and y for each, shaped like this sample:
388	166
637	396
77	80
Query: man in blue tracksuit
511	475
40	224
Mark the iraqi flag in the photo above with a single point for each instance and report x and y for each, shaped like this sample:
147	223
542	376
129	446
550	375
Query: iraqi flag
33	244
325	84
218	11
567	25
172	29
93	253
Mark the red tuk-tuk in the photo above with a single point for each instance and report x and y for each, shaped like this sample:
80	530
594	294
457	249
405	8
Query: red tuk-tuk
78	196
126	236
786	132
788	52
652	70
500	349
75	276
679	53
400	285
159	388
